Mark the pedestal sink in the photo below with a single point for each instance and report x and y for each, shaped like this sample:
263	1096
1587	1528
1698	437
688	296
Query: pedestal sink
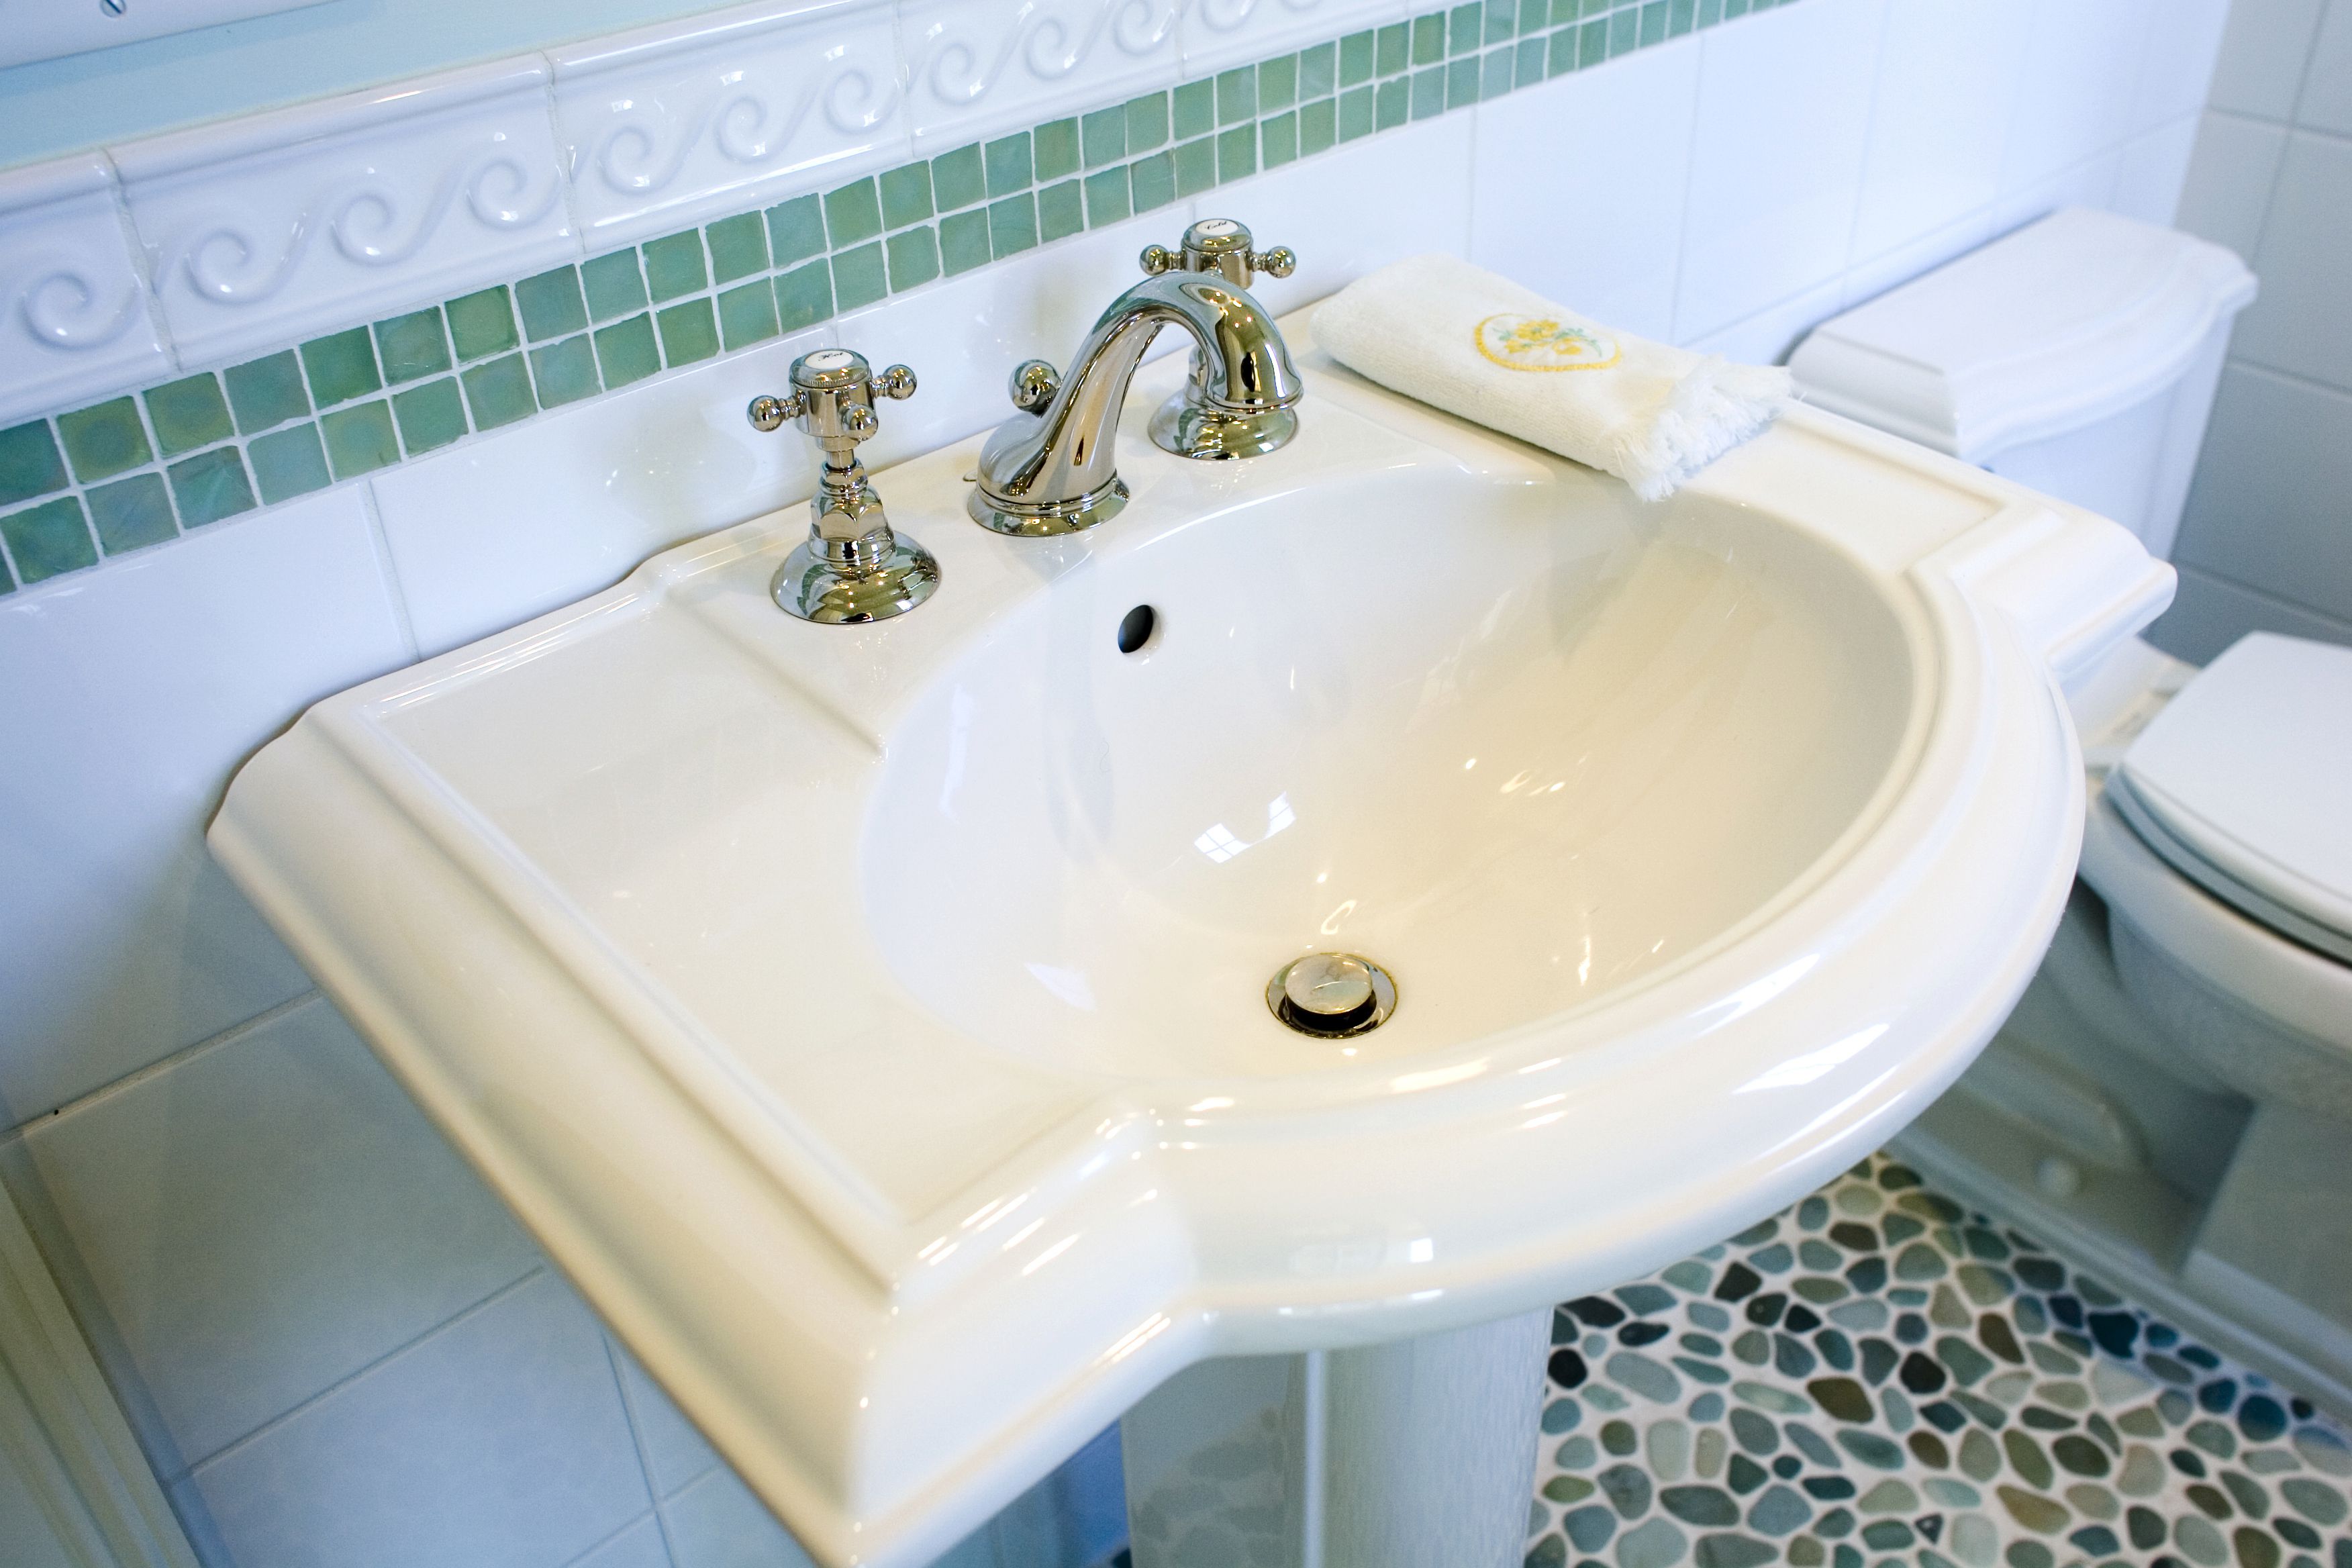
874	1021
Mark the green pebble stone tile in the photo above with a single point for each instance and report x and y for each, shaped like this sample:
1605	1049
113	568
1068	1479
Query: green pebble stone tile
688	333
1428	92
7	580
287	463
1194	111
482	323
1624	32
266	392
1107	198
188	414
1196	167
1279	137
627	351
1056	147
1318	124
132	513
1103	136
615	285
913	257
1010	166
1061	211
1394	48
1012	225
29	463
1236	152
746	315
360	439
860	277
797	231
1710	12
1734	8
1277	83
1357	53
1500	65
1465	29
211	485
104	439
804	296
963	241
1461	83
1535	15
1532	54
1395	104
1153	181
739	247
1146	122
960	179
566	372
1318	70
48	540
429	417
551	304
853	213
674	264
1236	95
497	392
341	366
1429	38
1653	23
1682	16
906	194
412	346
1592	44
1502	21
1357	112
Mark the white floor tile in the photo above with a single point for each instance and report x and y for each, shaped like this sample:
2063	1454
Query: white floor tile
675	1451
2231	171
718	1523
2303	321
639	1546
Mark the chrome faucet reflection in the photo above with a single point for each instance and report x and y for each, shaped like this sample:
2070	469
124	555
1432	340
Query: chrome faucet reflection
852	569
1051	468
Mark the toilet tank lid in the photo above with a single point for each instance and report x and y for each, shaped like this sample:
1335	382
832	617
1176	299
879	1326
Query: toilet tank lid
2250	769
2044	331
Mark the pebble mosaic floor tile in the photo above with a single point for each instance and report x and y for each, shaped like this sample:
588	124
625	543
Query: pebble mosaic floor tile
1877	1378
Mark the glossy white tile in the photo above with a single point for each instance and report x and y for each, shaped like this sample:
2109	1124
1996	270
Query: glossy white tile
2152	171
2303	321
1783	123
2267	508
2325	103
1600	235
266	227
1869	278
139	689
265	1218
2078	88
501	529
1947	83
718	1523
673	1451
669	125
1216	34
2265	48
1769	335
2089	183
981	68
499	1441
2184	40
638	1546
74	321
2231	171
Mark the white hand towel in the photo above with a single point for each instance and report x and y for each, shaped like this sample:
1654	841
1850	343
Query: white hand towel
1476	346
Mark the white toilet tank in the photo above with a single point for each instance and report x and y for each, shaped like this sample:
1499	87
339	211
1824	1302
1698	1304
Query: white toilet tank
2078	355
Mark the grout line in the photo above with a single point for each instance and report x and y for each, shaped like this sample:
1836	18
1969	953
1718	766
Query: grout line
157	1068
2269	597
535	1272
653	1497
2310	383
598	1546
382	546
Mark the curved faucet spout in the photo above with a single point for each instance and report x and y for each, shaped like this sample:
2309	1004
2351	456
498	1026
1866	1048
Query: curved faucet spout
1054	470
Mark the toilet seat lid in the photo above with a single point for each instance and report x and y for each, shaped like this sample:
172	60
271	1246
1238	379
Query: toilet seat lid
2243	785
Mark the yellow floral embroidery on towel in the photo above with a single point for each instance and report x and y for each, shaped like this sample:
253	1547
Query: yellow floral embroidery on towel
1541	344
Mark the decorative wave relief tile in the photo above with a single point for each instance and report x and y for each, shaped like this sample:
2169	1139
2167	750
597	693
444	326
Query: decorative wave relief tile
388	198
1217	33
1876	1378
664	119
974	66
73	309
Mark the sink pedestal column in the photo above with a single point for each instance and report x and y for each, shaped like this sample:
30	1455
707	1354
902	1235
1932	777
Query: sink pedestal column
1419	1454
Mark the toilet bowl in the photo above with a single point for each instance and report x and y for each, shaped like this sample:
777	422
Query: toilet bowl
2172	1098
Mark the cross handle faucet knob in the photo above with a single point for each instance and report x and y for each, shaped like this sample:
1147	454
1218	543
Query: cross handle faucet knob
1221	246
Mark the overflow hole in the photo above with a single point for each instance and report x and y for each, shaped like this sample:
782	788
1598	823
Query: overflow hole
1136	628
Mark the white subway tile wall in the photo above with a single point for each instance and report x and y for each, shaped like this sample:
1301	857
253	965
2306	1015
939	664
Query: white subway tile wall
337	1350
2266	544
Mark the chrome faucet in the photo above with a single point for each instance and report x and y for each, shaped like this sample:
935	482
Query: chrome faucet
1051	469
852	569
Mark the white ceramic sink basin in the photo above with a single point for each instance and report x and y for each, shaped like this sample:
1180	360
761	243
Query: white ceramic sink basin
872	1021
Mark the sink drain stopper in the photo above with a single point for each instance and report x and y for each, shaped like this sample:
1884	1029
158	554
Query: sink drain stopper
1332	994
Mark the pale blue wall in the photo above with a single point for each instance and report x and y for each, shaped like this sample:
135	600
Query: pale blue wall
56	106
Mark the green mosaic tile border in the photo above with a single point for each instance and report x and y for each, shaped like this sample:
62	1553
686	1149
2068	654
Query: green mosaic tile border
145	468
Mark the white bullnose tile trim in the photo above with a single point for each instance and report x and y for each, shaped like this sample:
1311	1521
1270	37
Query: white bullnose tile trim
1220	33
73	316
975	67
666	125
262	229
